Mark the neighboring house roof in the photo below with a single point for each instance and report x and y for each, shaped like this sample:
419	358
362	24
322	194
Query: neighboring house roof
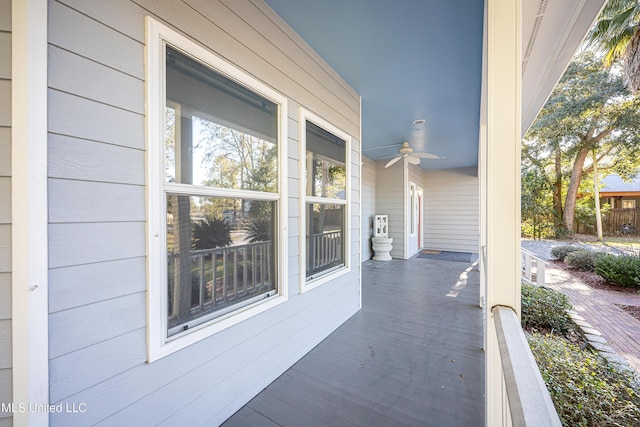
613	185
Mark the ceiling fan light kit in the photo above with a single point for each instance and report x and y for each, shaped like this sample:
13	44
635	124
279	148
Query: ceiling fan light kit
406	152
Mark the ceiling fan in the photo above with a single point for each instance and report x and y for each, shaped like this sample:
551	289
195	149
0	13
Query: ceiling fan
405	152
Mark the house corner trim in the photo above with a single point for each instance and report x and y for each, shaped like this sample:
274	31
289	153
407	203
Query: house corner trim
29	250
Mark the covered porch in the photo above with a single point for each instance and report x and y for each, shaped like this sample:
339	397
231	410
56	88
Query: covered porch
84	162
412	356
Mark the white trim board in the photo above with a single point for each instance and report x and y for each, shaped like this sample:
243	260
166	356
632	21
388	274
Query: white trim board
30	329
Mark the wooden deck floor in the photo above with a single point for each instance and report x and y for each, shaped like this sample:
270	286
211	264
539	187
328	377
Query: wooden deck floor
412	356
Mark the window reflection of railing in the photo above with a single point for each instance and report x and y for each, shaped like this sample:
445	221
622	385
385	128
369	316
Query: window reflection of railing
327	250
221	277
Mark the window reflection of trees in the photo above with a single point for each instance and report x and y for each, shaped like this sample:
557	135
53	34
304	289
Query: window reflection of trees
170	144
329	177
234	159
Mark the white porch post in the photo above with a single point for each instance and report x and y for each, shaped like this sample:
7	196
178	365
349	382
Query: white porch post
500	184
30	355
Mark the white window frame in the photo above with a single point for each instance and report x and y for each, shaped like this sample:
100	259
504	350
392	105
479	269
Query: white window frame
632	202
159	344
304	116
413	206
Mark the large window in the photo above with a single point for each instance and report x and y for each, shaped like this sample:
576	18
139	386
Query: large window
325	201
215	192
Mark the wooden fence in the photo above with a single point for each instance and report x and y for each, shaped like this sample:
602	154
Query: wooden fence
613	222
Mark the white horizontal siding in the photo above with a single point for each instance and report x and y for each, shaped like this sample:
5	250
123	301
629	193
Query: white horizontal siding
5	395
451	210
73	73
5	52
390	201
5	102
5	296
80	369
5	200
79	117
86	201
91	324
86	284
368	205
85	160
97	231
5	151
91	39
85	243
5	16
5	344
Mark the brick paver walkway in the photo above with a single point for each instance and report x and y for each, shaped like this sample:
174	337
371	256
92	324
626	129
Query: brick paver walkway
597	306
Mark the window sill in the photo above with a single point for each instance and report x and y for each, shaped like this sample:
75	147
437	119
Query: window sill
314	283
171	345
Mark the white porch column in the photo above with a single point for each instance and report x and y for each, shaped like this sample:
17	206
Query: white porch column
500	184
30	339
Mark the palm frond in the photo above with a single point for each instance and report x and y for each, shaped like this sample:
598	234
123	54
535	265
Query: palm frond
623	20
614	28
612	22
616	47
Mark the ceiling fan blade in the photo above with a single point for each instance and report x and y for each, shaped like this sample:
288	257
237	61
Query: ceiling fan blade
427	156
413	160
392	161
389	156
382	146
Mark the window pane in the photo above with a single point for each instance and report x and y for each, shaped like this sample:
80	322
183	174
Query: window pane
324	238
170	144
326	172
217	132
220	256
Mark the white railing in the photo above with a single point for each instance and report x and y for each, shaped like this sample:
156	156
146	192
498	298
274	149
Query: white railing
327	249
224	276
532	265
529	402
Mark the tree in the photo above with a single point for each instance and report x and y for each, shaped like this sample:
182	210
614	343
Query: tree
235	159
537	217
590	109
617	34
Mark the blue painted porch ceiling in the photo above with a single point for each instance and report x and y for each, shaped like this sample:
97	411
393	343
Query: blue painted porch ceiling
408	59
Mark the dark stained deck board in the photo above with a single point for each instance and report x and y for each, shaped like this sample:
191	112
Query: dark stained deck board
249	417
412	356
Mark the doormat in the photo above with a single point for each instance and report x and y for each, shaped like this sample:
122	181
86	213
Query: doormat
447	256
430	251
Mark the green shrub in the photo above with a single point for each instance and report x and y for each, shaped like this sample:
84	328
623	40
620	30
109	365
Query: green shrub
623	270
560	252
545	309
586	390
560	232
583	260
